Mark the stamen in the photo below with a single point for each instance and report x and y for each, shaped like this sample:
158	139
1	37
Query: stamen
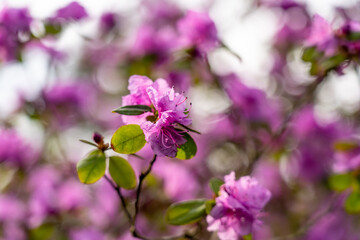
162	139
170	136
181	101
190	107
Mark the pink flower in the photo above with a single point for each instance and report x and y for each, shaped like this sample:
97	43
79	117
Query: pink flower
346	160
71	12
321	31
16	151
237	207
250	103
168	107
198	29
322	36
158	47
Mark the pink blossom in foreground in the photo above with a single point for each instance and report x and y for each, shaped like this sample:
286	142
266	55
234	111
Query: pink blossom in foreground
169	108
238	207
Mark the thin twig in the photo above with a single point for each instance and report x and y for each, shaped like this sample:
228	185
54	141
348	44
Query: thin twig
285	124
138	191
132	220
122	199
231	51
302	230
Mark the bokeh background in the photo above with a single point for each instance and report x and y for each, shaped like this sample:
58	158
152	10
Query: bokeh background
62	87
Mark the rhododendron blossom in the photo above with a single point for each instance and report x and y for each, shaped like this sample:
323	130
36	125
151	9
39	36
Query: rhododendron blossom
238	207
169	108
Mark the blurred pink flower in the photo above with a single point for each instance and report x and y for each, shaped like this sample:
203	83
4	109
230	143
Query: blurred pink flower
86	234
322	36
198	29
14	150
71	12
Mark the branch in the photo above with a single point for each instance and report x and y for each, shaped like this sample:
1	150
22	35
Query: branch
138	191
122	199
299	102
132	220
231	51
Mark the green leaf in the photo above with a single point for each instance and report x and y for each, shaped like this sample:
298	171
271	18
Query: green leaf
133	110
52	29
88	142
92	168
186	212
128	139
354	36
352	203
43	232
209	205
248	237
340	182
122	172
189	129
344	146
188	149
332	62
310	54
215	184
315	69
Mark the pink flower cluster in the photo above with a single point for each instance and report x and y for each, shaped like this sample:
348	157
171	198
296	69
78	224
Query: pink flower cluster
169	108
238	207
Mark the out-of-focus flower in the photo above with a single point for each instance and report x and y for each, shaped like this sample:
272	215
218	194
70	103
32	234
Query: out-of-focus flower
14	150
321	32
108	21
321	35
11	230
42	202
52	194
71	12
169	108
158	47
197	29
251	104
268	175
238	207
11	209
68	102
71	195
86	234
173	173
347	159
314	143
103	210
181	80
52	52
333	226
161	13
15	22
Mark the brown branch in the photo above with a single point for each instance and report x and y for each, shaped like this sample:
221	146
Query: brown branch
122	199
